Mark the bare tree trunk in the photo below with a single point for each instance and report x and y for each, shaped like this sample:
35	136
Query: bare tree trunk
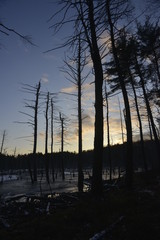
97	188
122	134
62	142
30	170
52	159
3	139
129	159
108	135
35	132
150	128
120	112
80	171
46	140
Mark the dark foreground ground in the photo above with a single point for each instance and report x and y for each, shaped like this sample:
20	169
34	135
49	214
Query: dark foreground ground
119	214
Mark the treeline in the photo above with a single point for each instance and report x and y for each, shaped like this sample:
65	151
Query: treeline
118	154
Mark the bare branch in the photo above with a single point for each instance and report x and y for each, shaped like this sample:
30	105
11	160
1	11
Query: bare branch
26	38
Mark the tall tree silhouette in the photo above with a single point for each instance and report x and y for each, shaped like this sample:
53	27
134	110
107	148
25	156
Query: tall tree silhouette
3	139
52	131
90	28
125	48
33	121
85	21
115	10
73	70
148	36
141	73
46	138
62	145
108	133
35	129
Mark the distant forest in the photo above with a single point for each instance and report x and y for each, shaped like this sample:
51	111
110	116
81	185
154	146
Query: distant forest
9	163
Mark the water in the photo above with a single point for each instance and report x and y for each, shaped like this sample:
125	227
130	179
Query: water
19	183
22	185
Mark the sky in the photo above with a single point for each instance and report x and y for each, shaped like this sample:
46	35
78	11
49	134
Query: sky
24	63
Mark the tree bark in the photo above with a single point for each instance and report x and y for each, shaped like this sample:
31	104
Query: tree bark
80	171
52	158
129	159
46	140
35	132
97	188
108	135
140	122
62	142
149	112
3	138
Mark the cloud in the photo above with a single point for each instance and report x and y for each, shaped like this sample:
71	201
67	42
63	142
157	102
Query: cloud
87	129
42	135
88	87
71	89
44	78
88	94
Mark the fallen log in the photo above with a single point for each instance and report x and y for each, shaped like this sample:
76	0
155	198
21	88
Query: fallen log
107	231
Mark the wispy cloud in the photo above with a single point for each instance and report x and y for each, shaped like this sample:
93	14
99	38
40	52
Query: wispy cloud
42	135
71	89
88	123
44	78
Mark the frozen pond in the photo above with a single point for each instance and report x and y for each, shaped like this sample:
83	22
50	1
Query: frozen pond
15	185
20	184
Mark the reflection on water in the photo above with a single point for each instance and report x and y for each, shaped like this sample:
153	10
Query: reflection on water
21	184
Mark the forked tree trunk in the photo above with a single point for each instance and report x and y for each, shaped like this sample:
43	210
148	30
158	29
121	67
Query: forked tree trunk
97	188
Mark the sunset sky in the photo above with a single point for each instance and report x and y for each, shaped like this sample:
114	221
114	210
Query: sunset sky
23	63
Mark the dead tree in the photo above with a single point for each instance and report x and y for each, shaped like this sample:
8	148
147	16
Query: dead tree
33	122
122	136
3	139
108	134
46	139
52	127
62	145
120	113
35	130
8	30
86	21
73	70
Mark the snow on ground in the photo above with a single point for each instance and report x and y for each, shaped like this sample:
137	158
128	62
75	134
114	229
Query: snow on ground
8	177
